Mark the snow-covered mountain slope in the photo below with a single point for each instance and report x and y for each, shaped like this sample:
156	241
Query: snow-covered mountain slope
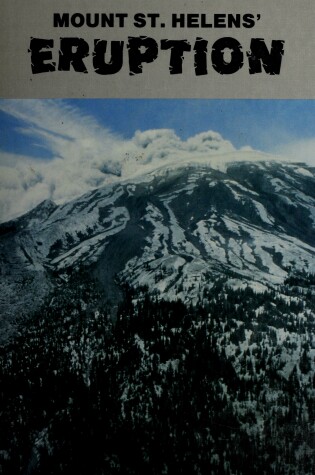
175	229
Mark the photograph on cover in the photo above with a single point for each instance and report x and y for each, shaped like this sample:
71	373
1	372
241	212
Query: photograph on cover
157	286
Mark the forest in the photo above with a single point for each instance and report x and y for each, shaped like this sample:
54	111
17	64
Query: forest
223	387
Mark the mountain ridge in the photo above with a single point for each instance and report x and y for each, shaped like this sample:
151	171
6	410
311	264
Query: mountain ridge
175	229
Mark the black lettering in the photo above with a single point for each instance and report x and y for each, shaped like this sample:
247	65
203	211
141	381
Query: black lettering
72	52
193	20
177	48
234	20
108	20
139	20
248	20
219	20
259	56
204	23
141	50
121	17
90	23
153	17
77	20
39	55
178	19
116	60
201	51
219	63
61	21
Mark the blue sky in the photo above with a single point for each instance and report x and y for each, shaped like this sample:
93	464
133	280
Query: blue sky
59	149
265	125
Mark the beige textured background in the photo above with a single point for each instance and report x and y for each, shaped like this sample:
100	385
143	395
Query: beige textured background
288	20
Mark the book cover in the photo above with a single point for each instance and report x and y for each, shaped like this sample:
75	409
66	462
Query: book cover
157	215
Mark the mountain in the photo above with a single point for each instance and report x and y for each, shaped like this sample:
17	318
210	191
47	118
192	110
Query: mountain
175	229
163	324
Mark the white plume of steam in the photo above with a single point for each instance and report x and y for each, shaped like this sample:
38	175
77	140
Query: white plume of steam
86	155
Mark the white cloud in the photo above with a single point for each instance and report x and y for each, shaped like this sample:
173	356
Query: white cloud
86	155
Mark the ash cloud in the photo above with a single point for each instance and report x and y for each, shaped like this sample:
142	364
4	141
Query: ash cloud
84	154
